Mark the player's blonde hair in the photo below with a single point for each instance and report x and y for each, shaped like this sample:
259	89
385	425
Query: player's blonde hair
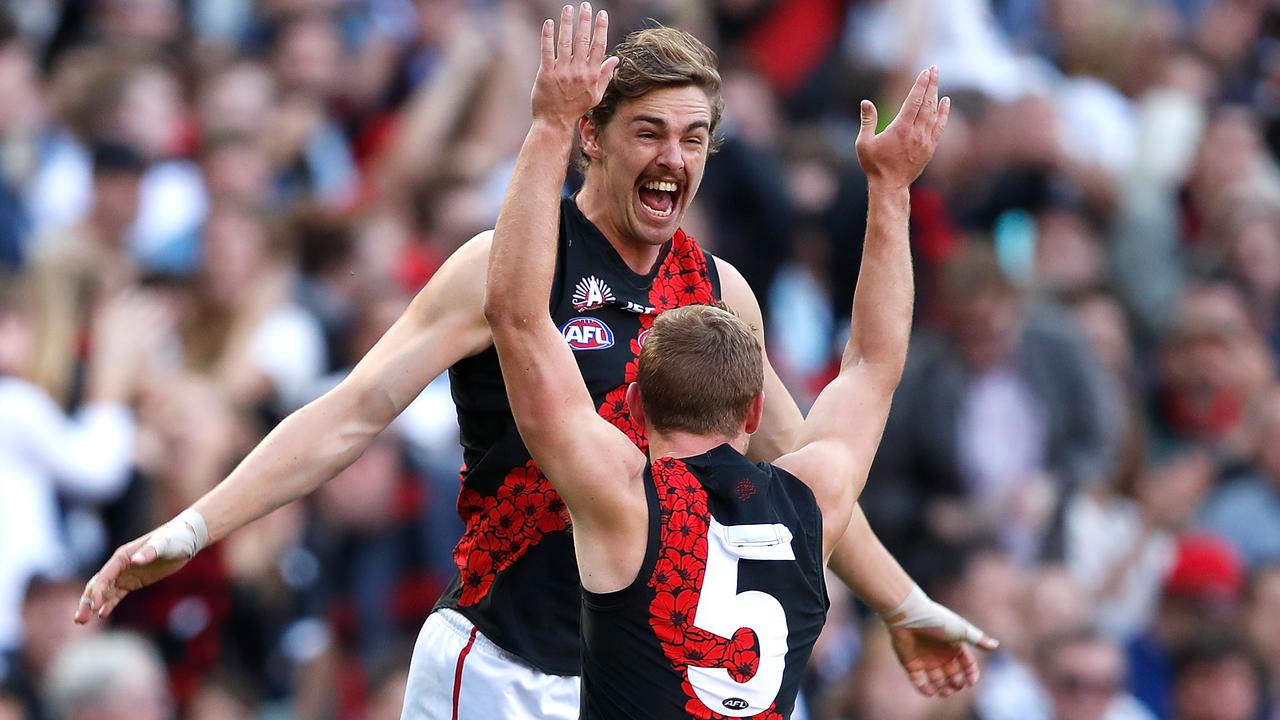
656	58
699	371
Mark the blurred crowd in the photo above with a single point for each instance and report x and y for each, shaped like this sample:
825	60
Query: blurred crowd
209	211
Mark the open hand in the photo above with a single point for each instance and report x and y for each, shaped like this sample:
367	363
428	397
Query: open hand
934	645
574	72
936	664
898	155
135	565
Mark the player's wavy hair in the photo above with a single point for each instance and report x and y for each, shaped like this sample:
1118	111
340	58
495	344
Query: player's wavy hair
699	370
656	58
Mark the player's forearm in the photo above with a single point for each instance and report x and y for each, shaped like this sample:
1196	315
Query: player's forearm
883	301
522	257
863	563
303	452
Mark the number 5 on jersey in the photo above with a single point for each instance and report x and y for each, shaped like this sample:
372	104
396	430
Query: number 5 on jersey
723	610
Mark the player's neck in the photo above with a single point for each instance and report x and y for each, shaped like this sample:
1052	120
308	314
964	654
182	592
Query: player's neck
682	444
638	256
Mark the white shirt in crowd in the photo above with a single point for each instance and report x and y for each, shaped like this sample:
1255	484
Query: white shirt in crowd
43	452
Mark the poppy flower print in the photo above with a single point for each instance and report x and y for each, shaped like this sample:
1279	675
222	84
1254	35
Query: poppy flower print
681	280
677	580
503	526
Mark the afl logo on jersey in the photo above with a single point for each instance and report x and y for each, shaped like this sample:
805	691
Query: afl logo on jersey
734	703
587	333
591	293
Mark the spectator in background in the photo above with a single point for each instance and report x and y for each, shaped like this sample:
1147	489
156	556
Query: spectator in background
310	150
1211	362
118	97
1069	254
11	706
1105	324
999	418
44	453
44	609
221	699
21	117
111	676
1246	510
1249	236
73	271
1121	534
992	586
1121	537
1083	672
245	329
1215	678
1262	627
1201	595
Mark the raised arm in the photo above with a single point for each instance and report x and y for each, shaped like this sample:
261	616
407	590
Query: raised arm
780	427
839	437
593	466
443	325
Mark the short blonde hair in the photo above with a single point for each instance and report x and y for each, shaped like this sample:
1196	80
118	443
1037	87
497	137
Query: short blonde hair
699	371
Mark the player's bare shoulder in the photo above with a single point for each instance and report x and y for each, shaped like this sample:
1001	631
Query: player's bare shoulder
828	469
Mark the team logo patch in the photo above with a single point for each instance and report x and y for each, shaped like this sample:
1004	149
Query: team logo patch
587	333
745	489
591	293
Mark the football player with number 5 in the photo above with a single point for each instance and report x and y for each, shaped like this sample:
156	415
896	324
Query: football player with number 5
702	572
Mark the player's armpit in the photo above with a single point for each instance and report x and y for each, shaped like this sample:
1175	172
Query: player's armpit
838	442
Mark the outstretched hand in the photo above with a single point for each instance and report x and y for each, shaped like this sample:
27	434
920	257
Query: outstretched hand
935	645
898	155
936	665
574	72
132	566
135	565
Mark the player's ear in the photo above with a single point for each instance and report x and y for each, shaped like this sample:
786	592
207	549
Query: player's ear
634	405
589	135
755	413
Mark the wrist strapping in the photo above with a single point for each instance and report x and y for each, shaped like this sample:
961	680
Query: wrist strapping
919	611
183	536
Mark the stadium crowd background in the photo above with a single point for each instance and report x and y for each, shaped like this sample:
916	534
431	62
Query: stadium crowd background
210	210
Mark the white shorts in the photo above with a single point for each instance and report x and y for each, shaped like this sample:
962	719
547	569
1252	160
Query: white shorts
459	674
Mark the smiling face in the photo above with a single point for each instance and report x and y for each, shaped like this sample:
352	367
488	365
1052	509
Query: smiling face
646	164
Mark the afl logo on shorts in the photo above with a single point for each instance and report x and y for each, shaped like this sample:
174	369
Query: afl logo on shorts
587	333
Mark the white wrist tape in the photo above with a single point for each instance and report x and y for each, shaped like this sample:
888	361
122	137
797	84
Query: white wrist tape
919	611
183	536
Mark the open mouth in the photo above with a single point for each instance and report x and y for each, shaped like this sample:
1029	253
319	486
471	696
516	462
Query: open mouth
658	198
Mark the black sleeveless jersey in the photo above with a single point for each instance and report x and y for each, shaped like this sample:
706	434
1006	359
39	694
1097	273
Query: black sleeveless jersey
727	606
517	575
